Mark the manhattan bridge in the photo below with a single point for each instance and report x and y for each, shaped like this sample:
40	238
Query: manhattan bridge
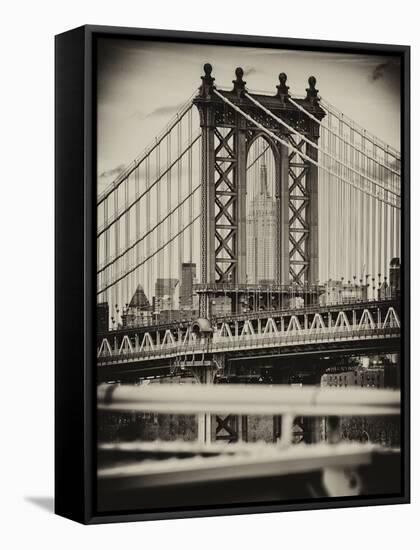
258	230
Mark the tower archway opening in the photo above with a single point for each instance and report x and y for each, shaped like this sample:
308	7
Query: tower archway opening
261	215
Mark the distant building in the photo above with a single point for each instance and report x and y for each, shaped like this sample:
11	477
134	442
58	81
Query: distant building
390	288
102	317
135	317
221	305
395	278
261	234
165	298
165	287
139	310
371	377
296	302
188	277
384	292
168	315
338	292
140	300
390	365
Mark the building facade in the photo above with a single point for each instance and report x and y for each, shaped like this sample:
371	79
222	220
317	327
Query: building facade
371	377
338	292
186	291
139	310
261	234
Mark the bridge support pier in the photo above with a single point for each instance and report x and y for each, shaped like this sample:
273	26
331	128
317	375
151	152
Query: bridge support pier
204	375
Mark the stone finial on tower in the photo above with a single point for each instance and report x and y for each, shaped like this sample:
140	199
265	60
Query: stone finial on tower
282	89
239	83
312	92
207	82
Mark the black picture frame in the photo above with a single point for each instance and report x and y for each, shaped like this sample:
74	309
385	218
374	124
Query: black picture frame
75	258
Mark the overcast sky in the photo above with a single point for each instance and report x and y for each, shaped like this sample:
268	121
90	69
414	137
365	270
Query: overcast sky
141	85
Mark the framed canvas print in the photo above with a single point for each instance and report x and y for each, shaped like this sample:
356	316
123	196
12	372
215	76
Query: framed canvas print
232	274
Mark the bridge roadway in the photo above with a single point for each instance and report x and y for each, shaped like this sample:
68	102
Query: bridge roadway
253	316
340	329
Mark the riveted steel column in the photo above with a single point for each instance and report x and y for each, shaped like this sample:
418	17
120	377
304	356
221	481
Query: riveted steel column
240	175
207	208
283	215
312	218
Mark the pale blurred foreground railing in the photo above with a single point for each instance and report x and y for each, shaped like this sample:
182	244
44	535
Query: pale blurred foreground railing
201	462
245	399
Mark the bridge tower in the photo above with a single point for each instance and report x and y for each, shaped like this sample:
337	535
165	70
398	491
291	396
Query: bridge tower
226	139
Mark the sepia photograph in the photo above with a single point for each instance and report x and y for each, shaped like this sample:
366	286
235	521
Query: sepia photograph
248	275
209	275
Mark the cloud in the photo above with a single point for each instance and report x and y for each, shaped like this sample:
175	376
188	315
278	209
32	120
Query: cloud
249	70
388	70
112	172
165	111
394	164
379	71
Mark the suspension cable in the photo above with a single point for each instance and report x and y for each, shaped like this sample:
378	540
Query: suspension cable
121	213
159	250
148	232
148	151
315	145
341	137
289	146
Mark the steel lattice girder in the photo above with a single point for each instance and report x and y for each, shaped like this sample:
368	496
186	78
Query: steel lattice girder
225	205
298	204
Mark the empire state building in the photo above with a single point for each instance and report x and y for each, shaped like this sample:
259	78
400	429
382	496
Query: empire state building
261	235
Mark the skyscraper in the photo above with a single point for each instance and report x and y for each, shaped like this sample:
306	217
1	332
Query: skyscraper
139	310
140	300
165	294
261	234
188	274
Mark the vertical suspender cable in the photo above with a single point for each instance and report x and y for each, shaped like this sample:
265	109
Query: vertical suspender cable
362	201
99	243
137	226
374	244
190	176
337	219
180	210
392	225
342	210
106	252
368	199
168	209
356	214
127	242
379	271
148	237
158	263
116	248
398	229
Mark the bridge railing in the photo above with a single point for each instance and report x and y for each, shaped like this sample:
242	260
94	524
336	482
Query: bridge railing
205	346
245	399
315	308
176	462
272	312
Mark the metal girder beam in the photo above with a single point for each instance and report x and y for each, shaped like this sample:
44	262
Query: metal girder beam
299	229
